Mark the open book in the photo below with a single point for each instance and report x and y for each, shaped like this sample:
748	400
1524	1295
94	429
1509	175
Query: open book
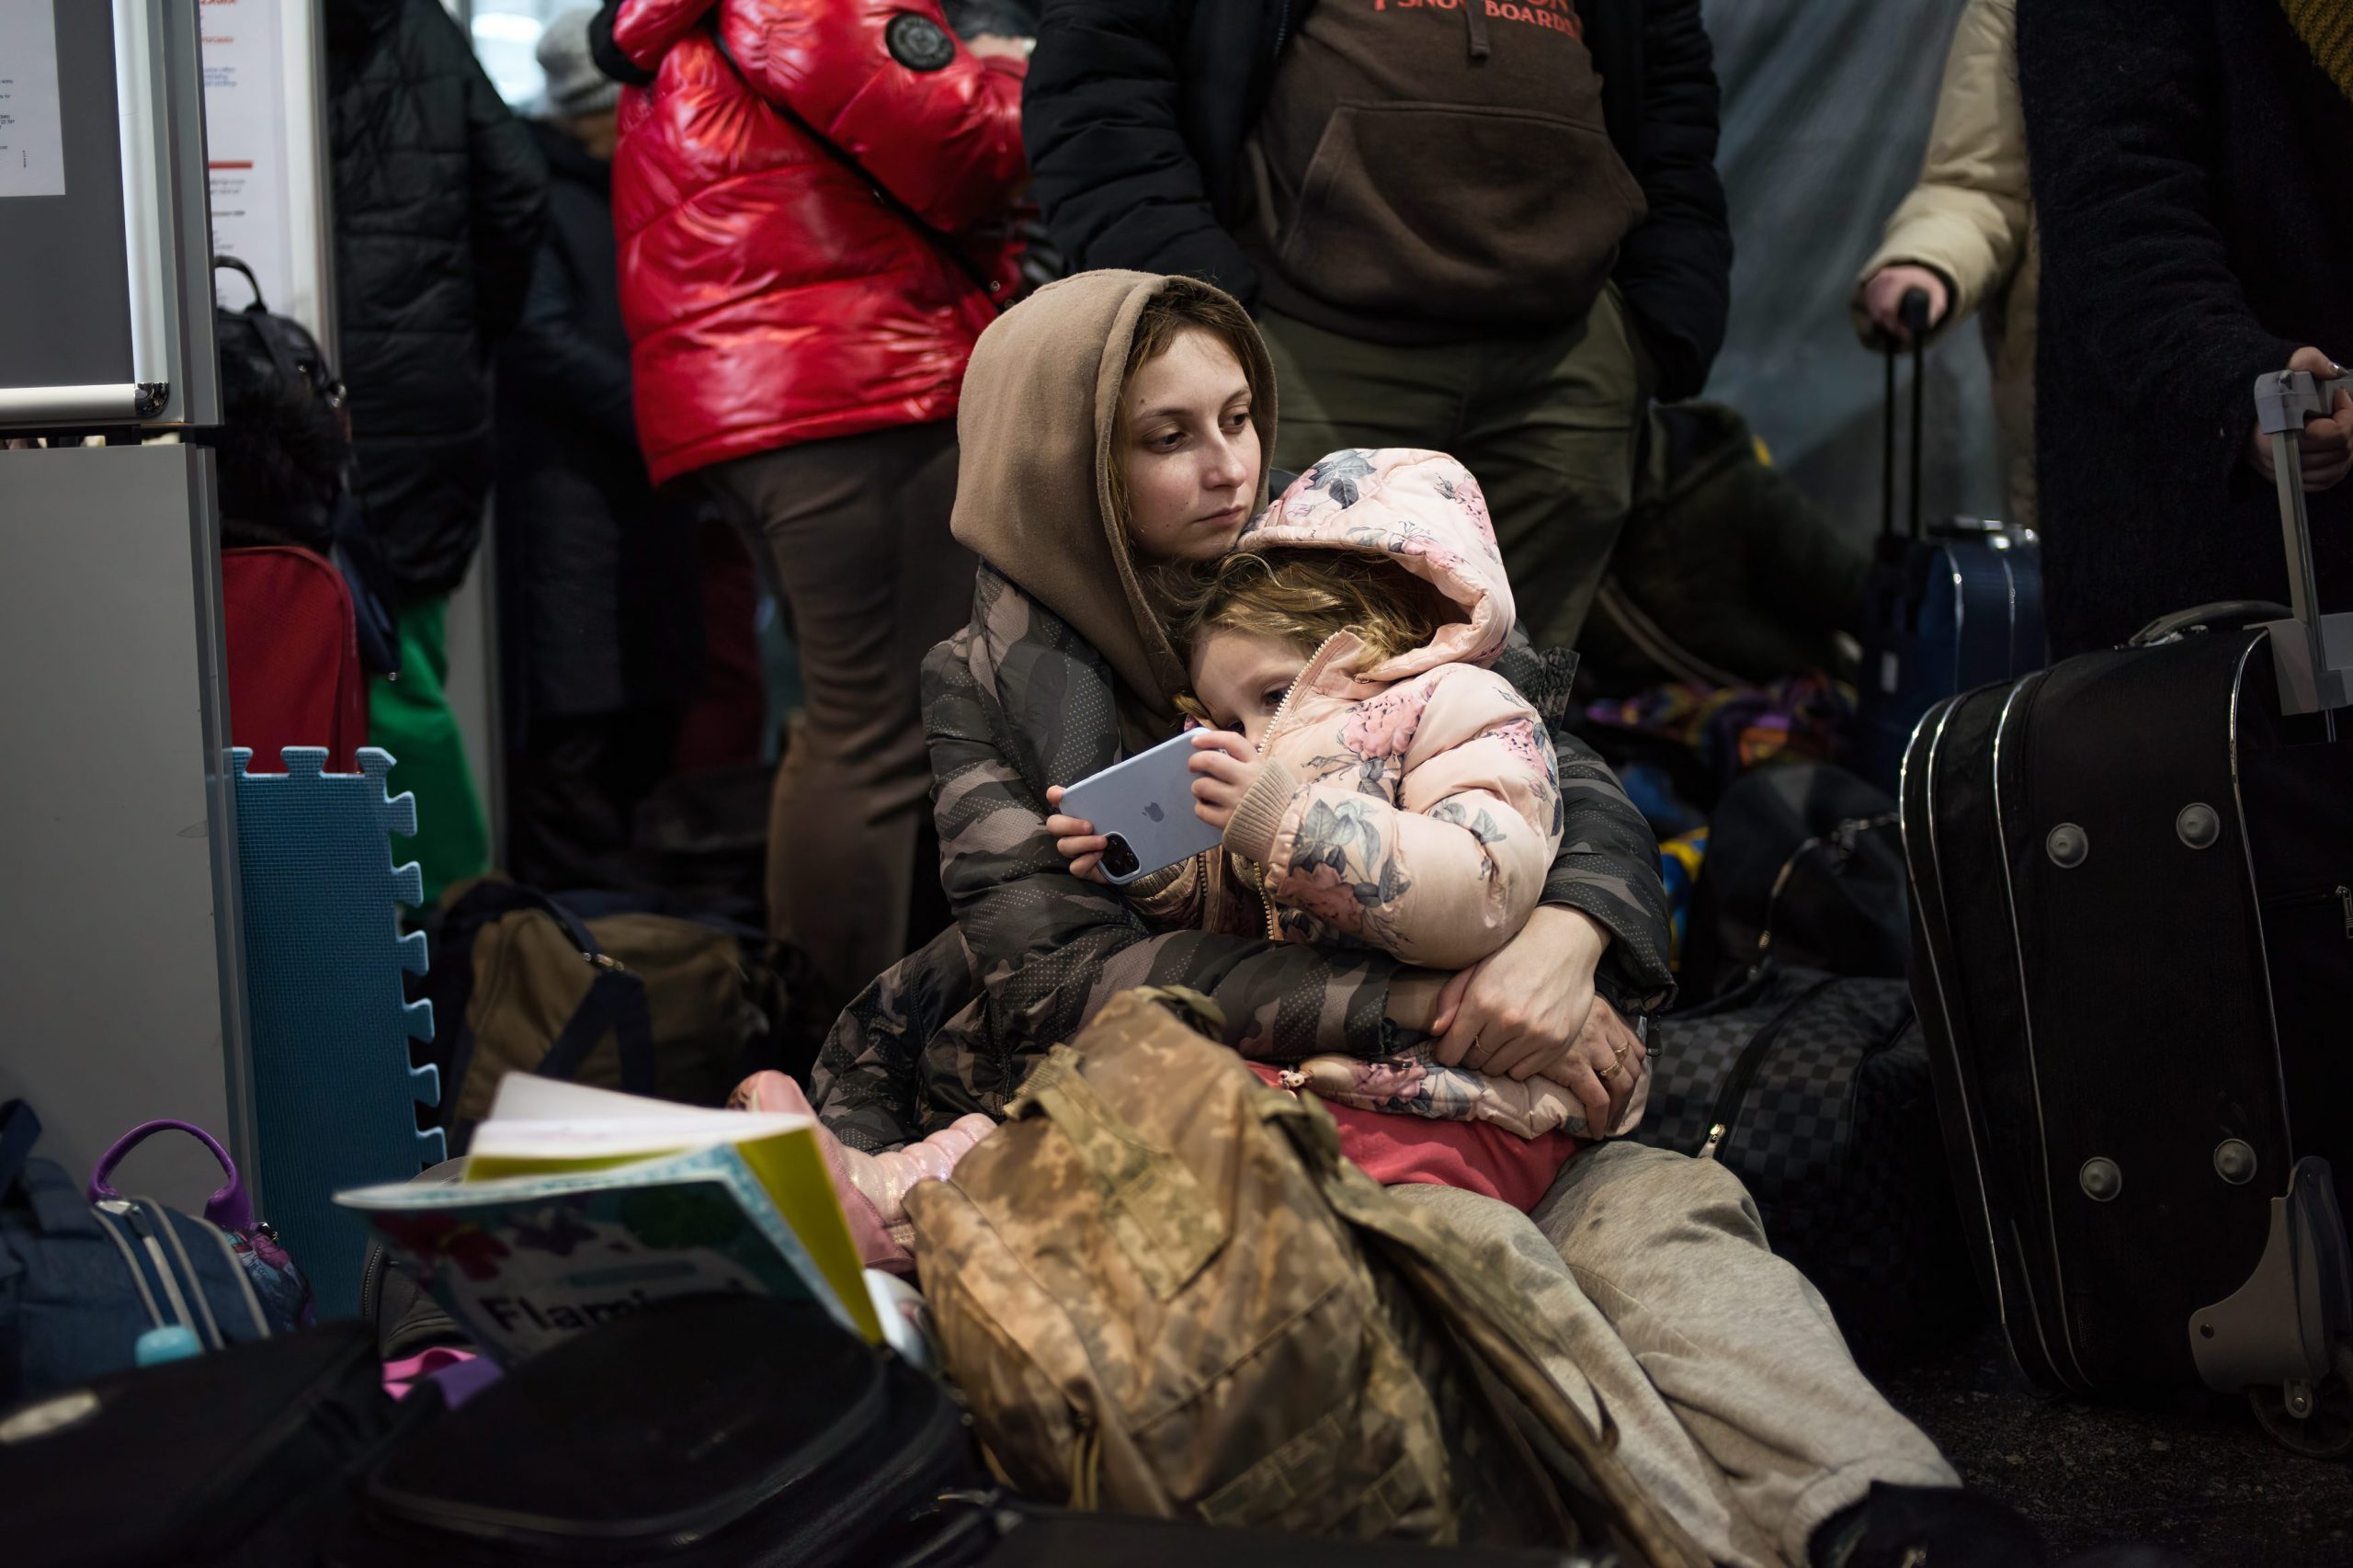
579	1205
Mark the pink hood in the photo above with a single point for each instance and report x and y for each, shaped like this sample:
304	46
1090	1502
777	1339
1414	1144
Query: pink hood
1424	511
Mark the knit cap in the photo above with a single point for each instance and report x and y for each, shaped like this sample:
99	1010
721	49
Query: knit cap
574	85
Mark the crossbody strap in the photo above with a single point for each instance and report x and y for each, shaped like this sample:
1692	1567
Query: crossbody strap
616	1001
940	240
616	998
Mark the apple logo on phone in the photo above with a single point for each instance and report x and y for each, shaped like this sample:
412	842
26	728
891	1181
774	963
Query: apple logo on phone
1154	812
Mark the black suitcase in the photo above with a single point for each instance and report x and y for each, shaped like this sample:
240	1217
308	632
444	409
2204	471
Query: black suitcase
707	1430
2135	966
244	1457
1814	1090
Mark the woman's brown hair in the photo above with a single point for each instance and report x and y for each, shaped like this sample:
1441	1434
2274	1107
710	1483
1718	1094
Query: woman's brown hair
1306	596
1182	305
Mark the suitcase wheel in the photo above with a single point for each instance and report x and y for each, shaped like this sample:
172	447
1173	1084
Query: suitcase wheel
2316	1419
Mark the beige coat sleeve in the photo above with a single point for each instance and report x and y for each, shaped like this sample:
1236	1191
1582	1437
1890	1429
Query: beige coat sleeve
1450	872
1967	217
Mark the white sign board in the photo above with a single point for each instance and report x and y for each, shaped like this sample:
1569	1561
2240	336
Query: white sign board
264	152
32	133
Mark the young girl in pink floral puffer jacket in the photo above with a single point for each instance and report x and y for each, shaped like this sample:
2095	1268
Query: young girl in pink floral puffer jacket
1377	785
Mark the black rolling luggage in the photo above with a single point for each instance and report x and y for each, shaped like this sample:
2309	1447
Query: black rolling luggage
2135	968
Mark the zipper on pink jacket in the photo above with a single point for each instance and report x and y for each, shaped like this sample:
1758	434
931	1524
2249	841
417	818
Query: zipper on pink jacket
1282	709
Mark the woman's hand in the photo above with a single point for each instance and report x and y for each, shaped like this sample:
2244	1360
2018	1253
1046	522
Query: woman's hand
2326	452
1883	299
1604	1067
1226	766
1075	840
1530	1009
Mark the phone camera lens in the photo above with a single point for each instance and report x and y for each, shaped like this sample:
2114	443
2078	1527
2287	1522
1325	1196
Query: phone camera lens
1118	859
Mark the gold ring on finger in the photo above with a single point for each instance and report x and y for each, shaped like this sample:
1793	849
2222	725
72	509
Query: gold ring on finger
1609	1071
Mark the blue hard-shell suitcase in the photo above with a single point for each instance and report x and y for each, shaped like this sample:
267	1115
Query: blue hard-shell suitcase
1950	608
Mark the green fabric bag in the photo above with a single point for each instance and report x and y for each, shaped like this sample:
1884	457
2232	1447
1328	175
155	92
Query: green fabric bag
410	717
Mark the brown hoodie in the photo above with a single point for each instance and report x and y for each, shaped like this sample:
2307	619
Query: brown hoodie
1037	429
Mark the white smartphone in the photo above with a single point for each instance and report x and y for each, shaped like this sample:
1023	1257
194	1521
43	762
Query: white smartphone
1144	806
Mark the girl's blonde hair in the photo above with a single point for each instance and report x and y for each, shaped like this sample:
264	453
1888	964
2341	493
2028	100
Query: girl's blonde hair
1305	596
1182	305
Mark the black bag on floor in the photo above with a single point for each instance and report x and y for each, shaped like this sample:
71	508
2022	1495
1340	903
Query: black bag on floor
2136	969
1725	573
408	1321
244	1457
703	1430
1804	865
1814	1090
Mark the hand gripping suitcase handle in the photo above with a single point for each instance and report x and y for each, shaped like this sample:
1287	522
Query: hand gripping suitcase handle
1913	311
2315	663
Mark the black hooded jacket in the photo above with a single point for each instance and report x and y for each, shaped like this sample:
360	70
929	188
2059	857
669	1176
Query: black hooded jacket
1135	112
440	199
2189	165
599	579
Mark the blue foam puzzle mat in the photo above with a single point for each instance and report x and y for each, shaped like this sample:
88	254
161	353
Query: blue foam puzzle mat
333	1090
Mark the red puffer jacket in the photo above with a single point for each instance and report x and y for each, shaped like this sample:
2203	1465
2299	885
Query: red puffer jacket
773	294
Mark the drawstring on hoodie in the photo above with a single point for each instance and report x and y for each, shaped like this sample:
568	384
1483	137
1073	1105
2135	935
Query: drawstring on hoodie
1475	12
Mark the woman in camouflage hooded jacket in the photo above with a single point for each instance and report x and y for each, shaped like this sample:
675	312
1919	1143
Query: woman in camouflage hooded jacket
1734	1398
1064	669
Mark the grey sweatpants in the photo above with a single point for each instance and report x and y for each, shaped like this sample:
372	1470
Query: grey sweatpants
1736	1402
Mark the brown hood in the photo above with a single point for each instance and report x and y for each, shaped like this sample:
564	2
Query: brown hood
1040	412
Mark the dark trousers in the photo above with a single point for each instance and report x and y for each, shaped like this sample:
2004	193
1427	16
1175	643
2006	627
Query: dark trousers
1547	424
852	534
574	789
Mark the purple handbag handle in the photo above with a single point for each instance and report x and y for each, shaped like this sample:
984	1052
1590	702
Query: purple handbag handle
228	1209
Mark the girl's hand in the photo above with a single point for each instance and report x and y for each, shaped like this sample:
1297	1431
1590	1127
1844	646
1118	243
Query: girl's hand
1075	840
1225	766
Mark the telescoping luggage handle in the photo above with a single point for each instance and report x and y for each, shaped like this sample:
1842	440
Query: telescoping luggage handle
1913	312
2312	652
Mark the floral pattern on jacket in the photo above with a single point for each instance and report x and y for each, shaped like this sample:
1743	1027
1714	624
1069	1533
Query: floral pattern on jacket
1422	805
1017	701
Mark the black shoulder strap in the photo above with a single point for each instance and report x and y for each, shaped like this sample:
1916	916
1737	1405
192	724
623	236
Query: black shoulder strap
616	999
942	241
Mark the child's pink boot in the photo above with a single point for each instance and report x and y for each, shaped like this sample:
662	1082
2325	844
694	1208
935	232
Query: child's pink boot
872	1188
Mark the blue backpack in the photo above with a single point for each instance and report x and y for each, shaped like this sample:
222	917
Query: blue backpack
85	1274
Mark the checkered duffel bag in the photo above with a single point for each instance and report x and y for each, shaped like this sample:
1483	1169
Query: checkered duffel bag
1814	1090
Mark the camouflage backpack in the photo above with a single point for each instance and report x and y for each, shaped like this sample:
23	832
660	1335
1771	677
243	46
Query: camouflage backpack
1164	1291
